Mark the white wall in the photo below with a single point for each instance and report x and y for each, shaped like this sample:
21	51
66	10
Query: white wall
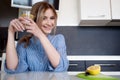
68	13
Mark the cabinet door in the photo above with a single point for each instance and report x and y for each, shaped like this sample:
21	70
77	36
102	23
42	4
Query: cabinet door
95	9
76	66
106	65
115	6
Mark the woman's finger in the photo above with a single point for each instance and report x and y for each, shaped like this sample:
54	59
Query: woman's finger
18	25
26	23
13	23
29	19
29	27
21	25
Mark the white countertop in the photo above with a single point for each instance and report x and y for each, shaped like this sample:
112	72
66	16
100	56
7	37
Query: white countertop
41	76
93	57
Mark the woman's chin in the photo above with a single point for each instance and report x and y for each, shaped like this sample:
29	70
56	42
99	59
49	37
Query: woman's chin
47	32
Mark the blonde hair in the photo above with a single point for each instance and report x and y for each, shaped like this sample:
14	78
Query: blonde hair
38	10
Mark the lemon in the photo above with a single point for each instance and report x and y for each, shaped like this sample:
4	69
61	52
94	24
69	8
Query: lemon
94	69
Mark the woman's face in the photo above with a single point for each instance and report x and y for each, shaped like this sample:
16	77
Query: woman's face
48	22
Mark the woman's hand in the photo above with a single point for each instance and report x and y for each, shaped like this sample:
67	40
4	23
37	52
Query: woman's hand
16	25
31	26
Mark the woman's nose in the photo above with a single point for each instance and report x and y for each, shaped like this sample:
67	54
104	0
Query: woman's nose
49	22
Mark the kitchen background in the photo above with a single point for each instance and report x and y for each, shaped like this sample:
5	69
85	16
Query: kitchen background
91	27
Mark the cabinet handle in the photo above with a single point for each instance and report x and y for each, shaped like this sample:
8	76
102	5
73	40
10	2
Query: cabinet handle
73	64
106	64
96	16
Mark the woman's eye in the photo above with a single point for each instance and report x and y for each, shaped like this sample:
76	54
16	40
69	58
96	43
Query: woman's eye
52	18
44	18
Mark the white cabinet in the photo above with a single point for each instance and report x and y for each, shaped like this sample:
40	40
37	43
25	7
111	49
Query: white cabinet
115	9
115	13
94	12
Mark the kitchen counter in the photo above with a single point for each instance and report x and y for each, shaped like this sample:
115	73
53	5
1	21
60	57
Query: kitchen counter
41	76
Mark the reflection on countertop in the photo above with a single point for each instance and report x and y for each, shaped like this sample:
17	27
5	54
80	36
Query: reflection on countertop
40	76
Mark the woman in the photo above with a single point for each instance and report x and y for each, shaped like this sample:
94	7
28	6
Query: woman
39	51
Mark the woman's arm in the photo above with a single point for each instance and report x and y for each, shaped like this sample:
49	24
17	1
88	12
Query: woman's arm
60	46
11	54
51	52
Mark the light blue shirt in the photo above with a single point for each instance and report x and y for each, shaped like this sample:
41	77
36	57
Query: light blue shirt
34	58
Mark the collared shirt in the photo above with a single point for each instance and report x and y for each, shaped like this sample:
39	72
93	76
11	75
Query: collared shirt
34	58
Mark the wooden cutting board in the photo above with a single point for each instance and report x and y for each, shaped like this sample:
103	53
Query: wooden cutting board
96	77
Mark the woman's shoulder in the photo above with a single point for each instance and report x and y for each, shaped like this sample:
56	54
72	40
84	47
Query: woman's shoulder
60	40
57	37
60	36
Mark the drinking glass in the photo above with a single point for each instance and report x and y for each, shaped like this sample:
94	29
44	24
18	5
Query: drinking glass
26	13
